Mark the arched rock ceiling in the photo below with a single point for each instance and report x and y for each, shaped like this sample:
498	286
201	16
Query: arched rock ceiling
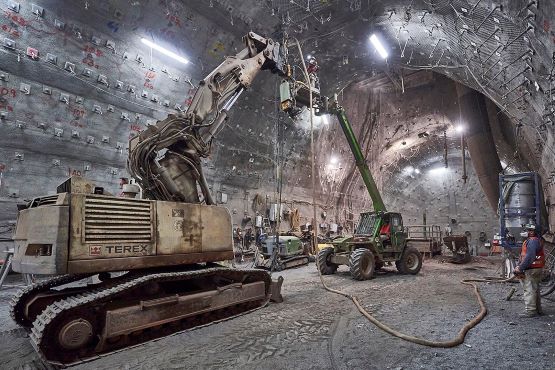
504	49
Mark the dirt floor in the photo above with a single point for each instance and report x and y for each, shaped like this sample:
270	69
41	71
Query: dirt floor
314	329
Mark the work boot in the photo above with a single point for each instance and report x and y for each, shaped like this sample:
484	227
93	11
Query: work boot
527	315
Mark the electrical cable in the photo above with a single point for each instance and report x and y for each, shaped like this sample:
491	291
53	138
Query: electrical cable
275	264
313	168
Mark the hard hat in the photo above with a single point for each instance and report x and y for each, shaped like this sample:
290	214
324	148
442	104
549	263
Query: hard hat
530	227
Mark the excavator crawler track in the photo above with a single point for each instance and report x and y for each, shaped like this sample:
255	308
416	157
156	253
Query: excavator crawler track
295	261
281	264
144	307
21	299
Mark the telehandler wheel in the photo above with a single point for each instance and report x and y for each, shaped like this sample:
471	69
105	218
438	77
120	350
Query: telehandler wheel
410	262
325	266
362	264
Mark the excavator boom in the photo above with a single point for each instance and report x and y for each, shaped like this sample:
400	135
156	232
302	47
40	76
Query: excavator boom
165	159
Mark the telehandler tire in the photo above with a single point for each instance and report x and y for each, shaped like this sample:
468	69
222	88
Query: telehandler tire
410	262
362	264
325	266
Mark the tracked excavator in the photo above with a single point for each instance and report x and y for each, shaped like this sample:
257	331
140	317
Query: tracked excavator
164	246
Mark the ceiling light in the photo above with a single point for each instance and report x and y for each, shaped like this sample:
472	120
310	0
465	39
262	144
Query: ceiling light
378	45
459	128
333	160
438	170
416	170
164	51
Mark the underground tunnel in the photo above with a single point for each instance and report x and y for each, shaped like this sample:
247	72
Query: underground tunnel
277	184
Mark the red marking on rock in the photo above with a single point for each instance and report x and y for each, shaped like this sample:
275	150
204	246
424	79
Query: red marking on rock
77	112
5	91
73	172
11	31
92	50
88	60
174	19
19	20
9	108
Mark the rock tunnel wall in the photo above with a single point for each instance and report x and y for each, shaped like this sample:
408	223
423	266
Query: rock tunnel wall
93	85
402	135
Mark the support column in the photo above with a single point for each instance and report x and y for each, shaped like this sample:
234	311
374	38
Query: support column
479	141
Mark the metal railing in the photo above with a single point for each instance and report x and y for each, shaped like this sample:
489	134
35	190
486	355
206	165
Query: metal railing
424	232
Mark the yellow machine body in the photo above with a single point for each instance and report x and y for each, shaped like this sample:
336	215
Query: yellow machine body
74	233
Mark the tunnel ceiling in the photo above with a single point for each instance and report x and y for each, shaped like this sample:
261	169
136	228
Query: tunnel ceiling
504	49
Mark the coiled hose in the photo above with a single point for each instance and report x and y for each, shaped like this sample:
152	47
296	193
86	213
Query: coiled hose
458	340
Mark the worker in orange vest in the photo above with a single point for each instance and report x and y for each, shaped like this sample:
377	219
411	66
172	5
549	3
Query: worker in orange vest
530	266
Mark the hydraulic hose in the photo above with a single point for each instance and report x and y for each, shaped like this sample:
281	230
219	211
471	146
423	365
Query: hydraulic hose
459	339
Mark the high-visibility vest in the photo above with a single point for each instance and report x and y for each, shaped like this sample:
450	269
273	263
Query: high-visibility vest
539	261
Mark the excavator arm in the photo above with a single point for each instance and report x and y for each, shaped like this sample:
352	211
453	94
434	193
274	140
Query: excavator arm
165	159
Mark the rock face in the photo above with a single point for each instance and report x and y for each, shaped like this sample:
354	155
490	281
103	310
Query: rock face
76	83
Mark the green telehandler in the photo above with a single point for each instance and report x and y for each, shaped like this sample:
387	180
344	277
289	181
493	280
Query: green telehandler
380	236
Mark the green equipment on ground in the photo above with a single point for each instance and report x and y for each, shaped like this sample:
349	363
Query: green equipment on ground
290	252
380	236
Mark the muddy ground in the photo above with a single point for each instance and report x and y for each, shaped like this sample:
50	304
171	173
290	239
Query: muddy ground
314	329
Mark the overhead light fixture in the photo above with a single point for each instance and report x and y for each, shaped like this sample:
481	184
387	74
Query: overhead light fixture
171	54
438	170
416	170
378	45
333	160
460	128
